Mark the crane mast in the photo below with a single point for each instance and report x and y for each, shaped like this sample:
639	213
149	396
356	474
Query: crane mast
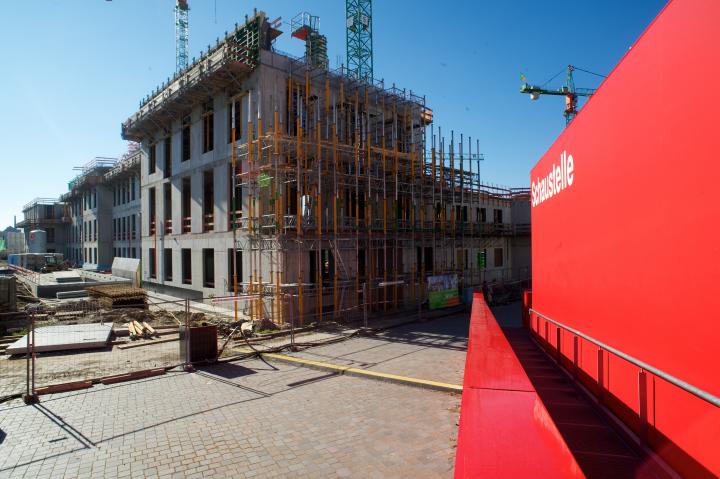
181	35
358	37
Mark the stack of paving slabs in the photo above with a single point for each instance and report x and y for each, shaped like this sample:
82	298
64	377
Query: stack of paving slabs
119	296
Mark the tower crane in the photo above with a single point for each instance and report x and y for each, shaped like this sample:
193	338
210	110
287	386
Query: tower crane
569	91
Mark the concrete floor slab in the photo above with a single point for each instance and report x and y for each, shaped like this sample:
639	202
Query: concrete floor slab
65	337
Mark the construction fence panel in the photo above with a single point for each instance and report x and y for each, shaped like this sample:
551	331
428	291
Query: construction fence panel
13	367
102	343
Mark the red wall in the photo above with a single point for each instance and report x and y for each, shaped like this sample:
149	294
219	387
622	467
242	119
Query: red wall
629	253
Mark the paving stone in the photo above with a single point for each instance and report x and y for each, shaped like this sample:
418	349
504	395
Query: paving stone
252	419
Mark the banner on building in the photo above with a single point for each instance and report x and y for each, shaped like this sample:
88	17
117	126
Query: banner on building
443	291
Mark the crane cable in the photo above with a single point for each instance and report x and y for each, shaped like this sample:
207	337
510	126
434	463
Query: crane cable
554	77
591	73
574	68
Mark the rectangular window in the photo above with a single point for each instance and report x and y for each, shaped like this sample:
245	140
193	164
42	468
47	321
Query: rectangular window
167	264
167	208
428	260
327	265
361	263
208	128
51	235
167	154
132	189
185	146
313	267
499	257
151	215
151	262
497	216
95	230
115	196
185	210
239	268
237	123
95	261
234	202
483	215
208	267
134	252
208	201
186	265
152	161
132	229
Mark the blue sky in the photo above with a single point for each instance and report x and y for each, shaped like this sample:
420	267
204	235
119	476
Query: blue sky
74	70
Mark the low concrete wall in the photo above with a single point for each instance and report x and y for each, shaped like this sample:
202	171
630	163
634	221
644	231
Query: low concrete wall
7	293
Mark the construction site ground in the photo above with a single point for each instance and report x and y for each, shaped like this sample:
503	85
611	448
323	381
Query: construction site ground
257	418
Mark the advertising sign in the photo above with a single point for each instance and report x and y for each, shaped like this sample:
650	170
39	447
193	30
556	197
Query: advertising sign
443	291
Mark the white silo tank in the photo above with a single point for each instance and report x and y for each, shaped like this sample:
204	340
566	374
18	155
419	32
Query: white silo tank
37	241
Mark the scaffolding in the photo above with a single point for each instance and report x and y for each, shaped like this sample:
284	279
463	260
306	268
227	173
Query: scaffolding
347	192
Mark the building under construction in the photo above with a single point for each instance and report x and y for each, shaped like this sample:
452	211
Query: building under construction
309	192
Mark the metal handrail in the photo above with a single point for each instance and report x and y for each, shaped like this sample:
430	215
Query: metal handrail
685	386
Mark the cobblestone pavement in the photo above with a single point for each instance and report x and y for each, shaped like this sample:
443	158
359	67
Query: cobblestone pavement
433	350
253	419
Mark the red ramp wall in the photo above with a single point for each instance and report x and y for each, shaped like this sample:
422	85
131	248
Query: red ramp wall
626	233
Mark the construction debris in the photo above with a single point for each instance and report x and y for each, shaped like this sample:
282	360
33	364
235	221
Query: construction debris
139	330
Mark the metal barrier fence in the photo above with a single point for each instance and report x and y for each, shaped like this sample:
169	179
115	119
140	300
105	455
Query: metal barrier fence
13	369
83	342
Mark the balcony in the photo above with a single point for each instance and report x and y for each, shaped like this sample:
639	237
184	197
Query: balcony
186	224
238	219
152	228
208	222
168	226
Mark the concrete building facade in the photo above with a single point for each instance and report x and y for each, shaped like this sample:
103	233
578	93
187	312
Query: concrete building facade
341	186
103	203
51	216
